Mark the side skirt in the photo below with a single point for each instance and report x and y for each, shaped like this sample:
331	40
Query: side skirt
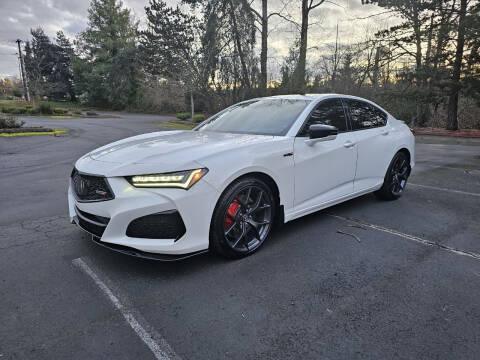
302	212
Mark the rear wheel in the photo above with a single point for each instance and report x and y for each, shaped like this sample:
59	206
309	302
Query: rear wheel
396	178
243	218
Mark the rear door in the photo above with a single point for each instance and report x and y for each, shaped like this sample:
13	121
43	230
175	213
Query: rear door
372	135
324	170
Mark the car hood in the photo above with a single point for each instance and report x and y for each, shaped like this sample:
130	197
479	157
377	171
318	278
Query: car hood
163	152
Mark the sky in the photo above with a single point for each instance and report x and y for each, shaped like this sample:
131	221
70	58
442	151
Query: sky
70	16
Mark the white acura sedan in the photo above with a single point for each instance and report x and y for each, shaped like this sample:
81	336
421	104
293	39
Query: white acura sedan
222	186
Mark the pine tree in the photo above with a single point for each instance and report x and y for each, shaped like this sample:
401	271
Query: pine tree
106	69
62	76
39	62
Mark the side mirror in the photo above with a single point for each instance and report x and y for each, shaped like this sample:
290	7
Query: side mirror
321	133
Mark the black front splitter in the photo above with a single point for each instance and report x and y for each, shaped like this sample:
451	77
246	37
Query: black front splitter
145	255
135	252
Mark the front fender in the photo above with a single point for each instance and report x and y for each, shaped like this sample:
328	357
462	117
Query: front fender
267	159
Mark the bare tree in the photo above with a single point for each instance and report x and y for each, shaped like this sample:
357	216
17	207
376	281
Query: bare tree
263	17
300	73
452	121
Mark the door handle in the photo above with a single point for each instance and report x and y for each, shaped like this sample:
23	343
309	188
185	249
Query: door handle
384	132
349	144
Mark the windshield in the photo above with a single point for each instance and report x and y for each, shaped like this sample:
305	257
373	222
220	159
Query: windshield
261	117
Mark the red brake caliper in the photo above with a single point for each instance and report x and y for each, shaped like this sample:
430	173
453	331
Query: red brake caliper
232	211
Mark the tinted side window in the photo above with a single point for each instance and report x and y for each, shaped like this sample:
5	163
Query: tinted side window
365	116
380	118
328	112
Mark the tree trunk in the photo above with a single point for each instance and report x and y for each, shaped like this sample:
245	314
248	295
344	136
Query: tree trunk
192	106
335	64
376	66
299	77
437	54
419	119
429	45
246	80
263	53
452	121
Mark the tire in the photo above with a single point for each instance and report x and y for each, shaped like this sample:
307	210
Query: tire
395	178
243	218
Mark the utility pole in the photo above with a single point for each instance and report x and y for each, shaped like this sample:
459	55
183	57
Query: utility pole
24	75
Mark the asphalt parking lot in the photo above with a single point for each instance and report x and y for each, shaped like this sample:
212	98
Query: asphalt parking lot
407	287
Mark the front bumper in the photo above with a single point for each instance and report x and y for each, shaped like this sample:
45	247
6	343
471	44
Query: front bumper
195	206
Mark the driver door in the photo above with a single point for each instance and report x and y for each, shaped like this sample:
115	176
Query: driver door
324	170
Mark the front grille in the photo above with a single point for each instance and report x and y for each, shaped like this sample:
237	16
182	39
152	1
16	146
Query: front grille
90	187
94	224
164	225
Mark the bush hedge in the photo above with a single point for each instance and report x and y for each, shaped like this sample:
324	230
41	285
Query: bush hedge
10	122
60	111
183	115
198	118
7	109
45	108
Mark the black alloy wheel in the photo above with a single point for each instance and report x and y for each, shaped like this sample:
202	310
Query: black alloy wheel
396	178
243	218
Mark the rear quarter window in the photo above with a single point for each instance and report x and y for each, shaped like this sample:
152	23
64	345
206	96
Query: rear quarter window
364	115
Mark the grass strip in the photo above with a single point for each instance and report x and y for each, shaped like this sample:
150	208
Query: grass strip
177	125
55	132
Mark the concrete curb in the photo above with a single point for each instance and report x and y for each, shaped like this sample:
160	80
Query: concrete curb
469	133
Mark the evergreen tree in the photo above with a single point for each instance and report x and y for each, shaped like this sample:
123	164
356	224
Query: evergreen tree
106	69
39	62
62	76
48	65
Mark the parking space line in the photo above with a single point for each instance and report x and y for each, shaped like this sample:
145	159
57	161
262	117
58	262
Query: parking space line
160	348
444	189
408	236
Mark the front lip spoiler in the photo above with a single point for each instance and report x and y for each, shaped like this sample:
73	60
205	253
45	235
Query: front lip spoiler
138	253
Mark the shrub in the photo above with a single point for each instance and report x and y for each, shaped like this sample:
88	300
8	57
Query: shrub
14	110
60	111
17	92
91	113
183	115
7	109
33	111
198	118
19	110
10	122
45	108
162	97
78	112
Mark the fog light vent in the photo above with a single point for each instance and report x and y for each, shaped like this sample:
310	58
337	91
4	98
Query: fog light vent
163	225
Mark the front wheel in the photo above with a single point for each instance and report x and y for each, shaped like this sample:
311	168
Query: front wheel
396	178
242	218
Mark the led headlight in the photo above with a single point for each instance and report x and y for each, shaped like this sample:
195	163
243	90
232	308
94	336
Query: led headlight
180	179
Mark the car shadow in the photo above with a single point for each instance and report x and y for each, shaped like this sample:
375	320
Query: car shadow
280	237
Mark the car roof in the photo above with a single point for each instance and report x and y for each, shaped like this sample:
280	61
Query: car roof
312	96
315	97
